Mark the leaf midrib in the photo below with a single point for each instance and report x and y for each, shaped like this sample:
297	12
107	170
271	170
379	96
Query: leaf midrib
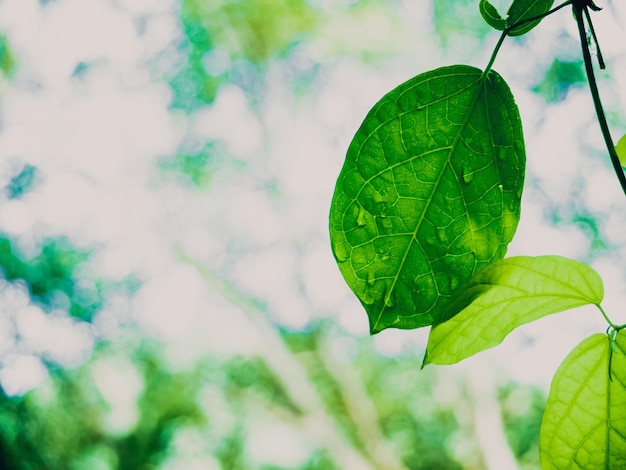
429	200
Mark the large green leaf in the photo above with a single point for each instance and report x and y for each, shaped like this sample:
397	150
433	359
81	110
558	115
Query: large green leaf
429	193
584	424
522	10
507	294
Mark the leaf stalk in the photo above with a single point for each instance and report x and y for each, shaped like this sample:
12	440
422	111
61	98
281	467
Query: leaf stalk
507	30
612	326
580	9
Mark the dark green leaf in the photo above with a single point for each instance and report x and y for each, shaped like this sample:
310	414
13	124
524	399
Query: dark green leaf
429	193
491	15
507	294
523	10
584	424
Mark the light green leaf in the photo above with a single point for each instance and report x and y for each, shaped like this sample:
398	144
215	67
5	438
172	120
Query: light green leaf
584	424
491	15
522	10
620	149
429	193
507	294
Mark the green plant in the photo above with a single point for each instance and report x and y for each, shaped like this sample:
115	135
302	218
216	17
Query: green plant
423	210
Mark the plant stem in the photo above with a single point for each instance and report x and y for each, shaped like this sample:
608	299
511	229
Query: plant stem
538	17
608	320
495	52
508	29
579	10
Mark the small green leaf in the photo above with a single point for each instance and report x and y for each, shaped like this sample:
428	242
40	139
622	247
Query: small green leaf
429	193
507	294
620	149
522	10
584	424
491	15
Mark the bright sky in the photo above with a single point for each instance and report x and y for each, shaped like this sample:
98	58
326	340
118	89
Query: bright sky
97	135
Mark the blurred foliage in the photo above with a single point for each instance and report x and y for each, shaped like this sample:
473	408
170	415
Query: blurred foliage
559	78
48	273
66	423
459	20
193	169
23	182
251	29
51	281
7	60
230	40
522	411
177	415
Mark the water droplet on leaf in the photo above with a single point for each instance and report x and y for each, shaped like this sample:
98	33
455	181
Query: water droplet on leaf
361	220
385	222
369	297
467	174
342	251
441	235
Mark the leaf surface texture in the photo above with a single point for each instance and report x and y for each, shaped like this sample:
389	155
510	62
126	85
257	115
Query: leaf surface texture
584	424
521	10
429	193
505	295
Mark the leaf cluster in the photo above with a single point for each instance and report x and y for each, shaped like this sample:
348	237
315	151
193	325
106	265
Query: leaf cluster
424	208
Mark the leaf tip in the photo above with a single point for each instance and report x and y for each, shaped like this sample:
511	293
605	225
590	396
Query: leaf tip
425	361
375	327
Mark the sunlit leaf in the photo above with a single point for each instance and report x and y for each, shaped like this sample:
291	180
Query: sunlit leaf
429	193
620	149
505	295
491	15
523	10
584	424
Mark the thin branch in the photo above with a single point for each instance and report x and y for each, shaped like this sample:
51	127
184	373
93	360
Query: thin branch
608	320
595	39
579	11
537	17
507	30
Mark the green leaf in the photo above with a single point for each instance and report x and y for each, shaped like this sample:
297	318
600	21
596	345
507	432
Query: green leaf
522	10
620	149
491	15
429	193
507	294
584	424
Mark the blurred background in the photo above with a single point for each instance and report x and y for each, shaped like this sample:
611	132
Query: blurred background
168	298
